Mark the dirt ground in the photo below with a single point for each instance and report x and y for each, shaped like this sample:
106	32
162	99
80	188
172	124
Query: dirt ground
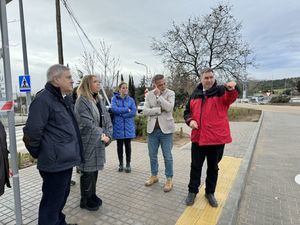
178	140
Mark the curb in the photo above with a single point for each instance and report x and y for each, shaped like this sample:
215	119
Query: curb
230	211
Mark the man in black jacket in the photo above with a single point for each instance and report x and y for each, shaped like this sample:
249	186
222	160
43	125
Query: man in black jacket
4	167
51	135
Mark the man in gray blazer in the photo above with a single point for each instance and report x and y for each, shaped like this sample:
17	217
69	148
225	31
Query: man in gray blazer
159	106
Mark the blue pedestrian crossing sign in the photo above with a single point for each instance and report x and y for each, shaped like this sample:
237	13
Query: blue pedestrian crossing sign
24	83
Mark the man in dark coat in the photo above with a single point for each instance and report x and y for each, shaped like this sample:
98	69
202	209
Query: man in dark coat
51	135
4	170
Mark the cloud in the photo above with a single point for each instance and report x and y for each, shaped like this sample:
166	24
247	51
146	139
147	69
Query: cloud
270	27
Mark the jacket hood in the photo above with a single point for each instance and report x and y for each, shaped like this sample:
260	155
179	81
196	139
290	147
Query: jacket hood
117	95
214	90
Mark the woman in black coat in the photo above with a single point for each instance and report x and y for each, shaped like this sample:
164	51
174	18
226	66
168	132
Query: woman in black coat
4	169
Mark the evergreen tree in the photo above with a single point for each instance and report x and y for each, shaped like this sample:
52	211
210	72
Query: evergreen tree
129	82
140	91
122	78
131	87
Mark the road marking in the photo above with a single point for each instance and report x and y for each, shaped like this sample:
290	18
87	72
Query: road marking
201	212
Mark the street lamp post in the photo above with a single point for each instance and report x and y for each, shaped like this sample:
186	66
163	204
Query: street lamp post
142	64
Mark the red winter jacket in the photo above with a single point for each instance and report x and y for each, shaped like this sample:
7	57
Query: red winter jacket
209	110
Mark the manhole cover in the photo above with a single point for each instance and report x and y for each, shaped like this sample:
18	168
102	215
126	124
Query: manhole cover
297	179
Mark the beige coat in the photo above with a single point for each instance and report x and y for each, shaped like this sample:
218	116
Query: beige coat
160	108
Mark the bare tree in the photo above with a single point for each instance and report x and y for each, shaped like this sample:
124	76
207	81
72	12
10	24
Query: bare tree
110	65
179	79
88	61
101	63
214	40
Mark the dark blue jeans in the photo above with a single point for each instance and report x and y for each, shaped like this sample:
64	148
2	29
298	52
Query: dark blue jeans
56	189
213	155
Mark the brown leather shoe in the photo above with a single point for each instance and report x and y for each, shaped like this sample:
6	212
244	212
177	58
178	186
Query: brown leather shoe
168	185
151	180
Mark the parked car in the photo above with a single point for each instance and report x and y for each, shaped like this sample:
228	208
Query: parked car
140	107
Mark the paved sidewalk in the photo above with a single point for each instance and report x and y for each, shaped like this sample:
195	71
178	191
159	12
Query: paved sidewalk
125	198
271	195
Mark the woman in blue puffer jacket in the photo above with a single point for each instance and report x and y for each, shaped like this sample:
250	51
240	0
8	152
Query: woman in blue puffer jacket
124	110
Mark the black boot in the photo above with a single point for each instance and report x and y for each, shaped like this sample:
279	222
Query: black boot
190	199
121	168
211	200
97	200
128	168
89	204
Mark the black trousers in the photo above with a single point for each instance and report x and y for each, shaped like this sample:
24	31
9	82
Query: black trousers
88	181
213	155
127	143
56	189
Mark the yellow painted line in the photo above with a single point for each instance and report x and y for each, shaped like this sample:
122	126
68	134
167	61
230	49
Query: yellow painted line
201	212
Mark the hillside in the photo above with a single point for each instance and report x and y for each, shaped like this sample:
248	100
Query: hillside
255	86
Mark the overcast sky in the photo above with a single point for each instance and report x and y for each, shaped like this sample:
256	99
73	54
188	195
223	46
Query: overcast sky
271	27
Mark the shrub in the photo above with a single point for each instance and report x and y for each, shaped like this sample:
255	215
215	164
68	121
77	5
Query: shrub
141	125
243	114
25	160
178	115
280	99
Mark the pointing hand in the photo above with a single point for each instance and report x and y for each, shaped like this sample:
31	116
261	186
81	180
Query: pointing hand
230	85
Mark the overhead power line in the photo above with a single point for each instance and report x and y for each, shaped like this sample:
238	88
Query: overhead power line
82	43
71	13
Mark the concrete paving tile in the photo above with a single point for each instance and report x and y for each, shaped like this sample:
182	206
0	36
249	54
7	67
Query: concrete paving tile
125	198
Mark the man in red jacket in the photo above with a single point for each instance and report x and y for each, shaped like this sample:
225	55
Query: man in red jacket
206	114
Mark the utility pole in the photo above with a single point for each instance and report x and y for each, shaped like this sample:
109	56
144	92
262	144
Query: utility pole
25	59
59	34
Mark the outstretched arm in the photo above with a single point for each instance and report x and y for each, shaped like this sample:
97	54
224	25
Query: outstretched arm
231	93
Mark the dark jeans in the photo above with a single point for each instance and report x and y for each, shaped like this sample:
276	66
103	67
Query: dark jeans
127	143
56	189
213	155
88	182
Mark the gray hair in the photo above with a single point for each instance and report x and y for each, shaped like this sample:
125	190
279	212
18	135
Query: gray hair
157	77
56	70
206	70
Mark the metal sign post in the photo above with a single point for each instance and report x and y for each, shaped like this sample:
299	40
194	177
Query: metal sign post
11	114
